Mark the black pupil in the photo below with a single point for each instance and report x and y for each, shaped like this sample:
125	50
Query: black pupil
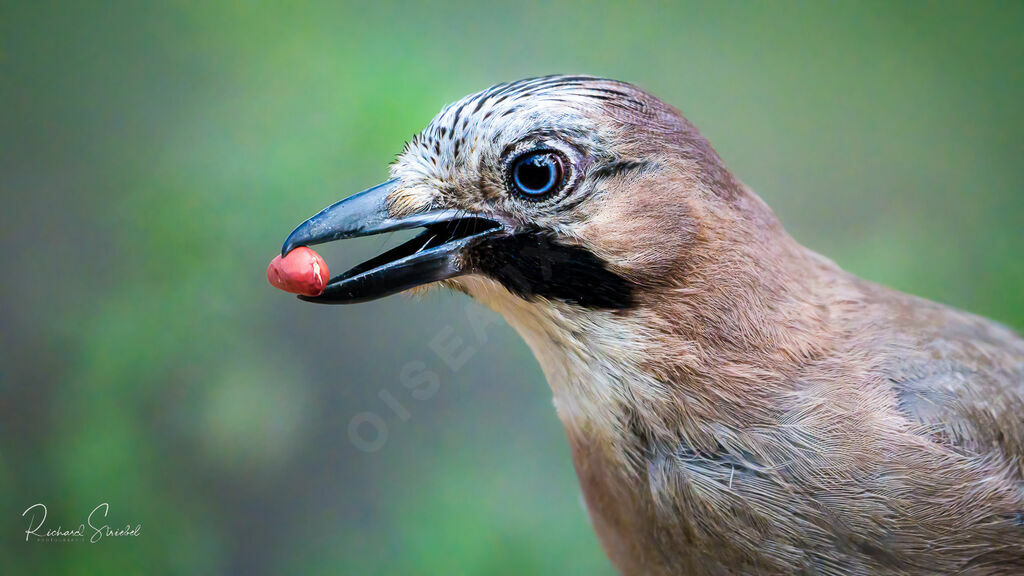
536	174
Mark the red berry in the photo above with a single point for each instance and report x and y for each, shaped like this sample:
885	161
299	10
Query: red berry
302	271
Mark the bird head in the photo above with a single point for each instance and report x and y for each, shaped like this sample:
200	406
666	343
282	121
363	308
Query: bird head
574	192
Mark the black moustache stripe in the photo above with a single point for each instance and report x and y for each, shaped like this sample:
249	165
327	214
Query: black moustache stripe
533	264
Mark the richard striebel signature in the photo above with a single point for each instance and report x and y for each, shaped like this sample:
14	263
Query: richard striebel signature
90	529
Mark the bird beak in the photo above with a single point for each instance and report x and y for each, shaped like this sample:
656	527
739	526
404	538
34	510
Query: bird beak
437	254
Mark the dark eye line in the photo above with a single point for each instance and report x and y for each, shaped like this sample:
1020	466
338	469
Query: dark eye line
620	167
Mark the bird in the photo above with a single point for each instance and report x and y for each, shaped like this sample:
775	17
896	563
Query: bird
735	403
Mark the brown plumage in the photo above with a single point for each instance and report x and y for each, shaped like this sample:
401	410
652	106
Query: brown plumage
735	403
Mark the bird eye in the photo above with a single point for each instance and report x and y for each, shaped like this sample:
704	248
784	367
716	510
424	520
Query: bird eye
537	175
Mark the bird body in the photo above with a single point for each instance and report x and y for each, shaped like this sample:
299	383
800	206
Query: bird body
883	438
735	403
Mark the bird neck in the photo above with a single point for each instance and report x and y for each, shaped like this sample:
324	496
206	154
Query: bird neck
687	360
589	357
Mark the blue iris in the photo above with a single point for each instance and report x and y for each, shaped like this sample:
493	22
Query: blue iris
537	174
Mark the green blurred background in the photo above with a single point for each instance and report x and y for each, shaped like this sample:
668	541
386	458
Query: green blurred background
153	158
